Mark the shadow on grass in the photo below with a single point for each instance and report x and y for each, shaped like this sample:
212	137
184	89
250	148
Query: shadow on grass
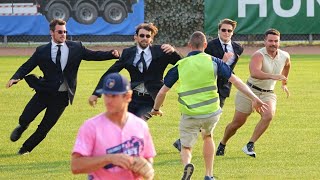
36	167
8	155
166	162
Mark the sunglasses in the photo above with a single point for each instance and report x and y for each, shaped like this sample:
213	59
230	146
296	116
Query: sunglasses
145	35
62	32
225	30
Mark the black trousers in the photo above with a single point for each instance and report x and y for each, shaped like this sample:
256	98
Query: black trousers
222	100
140	104
54	103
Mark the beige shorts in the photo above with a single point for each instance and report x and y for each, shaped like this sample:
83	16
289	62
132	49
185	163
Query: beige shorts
243	103
190	128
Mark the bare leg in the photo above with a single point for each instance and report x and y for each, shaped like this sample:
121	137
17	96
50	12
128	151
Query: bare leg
208	154
264	122
239	119
186	155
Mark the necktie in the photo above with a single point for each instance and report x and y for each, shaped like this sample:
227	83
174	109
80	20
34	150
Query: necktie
225	48
141	60
58	57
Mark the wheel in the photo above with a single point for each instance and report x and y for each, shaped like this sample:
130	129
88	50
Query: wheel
58	11
114	13
86	13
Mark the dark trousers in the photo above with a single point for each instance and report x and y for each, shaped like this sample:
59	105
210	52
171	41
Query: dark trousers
54	103
222	100
140	104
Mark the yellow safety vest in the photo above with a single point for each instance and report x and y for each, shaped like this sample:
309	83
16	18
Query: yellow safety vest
198	85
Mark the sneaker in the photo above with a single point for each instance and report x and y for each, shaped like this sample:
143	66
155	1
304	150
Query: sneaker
177	145
22	152
249	150
16	133
208	178
220	150
187	172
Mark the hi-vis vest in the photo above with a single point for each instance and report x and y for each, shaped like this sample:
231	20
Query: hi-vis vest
197	93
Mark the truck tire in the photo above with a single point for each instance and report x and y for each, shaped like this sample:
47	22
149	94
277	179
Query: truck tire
86	13
114	13
58	11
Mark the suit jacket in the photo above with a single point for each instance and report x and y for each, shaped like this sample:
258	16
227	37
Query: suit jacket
152	78
54	77
215	49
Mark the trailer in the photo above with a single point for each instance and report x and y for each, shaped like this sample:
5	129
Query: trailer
82	11
87	11
21	8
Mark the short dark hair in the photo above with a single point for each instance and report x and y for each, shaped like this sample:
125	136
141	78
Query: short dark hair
228	21
55	22
148	27
197	39
271	31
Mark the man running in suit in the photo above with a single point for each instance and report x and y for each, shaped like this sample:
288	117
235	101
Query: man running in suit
59	61
146	64
227	50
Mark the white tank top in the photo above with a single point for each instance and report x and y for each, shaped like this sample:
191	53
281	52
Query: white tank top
272	66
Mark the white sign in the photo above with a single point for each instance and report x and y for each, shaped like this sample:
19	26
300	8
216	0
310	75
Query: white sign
276	4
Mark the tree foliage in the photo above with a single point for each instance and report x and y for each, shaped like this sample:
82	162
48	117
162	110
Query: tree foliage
175	19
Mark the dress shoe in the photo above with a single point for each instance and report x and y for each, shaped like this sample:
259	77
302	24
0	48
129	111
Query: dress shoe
22	152
16	133
177	145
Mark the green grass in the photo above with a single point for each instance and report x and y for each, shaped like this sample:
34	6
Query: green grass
288	149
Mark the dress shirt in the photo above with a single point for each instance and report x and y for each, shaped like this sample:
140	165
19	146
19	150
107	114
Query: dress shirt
148	58
230	49
64	59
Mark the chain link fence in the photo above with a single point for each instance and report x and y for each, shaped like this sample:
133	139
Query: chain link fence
293	39
8	41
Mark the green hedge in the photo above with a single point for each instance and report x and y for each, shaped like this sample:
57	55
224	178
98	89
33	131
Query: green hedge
175	19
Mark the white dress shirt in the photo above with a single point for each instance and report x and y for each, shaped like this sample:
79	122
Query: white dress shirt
64	59
230	49
148	58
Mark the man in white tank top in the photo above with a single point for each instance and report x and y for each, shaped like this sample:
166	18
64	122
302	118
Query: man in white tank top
267	66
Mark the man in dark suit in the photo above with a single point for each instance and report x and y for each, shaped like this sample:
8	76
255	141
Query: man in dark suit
227	50
146	64
230	51
59	61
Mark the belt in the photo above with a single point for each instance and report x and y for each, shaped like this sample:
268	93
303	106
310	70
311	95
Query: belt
259	89
140	93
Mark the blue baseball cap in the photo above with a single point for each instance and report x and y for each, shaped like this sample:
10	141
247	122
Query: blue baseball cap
114	83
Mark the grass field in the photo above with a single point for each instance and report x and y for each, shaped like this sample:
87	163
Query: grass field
288	150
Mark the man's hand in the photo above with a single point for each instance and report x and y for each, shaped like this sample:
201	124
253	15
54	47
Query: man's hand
12	82
116	53
123	160
227	56
259	106
142	167
167	48
285	89
93	100
156	113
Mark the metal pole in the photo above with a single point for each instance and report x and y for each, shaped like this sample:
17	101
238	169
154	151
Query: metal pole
12	7
310	39
5	40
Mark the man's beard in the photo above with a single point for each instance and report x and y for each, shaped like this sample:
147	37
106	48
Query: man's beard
143	45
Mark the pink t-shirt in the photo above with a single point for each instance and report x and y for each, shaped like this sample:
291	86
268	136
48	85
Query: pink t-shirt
99	136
